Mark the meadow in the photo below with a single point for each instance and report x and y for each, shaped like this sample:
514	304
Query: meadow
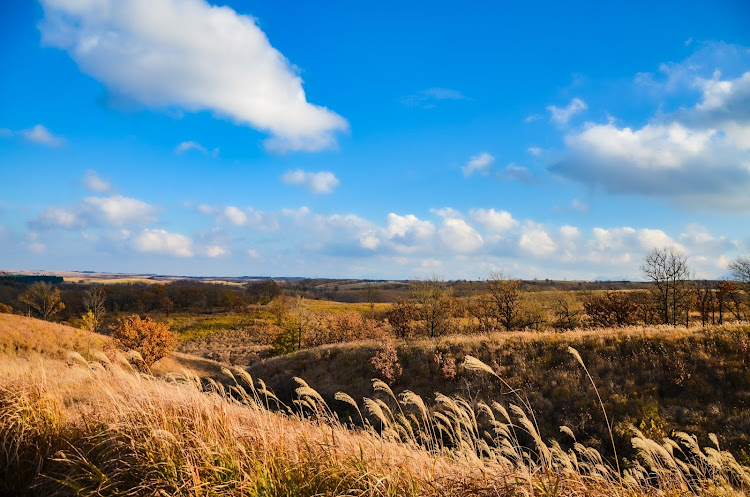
73	425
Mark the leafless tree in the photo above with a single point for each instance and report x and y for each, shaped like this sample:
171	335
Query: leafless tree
505	294
433	302
668	270
95	302
740	268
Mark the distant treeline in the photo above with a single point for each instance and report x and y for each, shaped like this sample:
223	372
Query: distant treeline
27	280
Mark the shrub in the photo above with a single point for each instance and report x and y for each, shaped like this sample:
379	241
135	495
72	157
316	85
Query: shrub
385	363
151	339
5	309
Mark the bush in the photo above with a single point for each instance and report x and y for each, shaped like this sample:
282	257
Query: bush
5	309
153	340
385	363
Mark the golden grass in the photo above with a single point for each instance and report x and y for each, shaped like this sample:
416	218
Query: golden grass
329	306
96	430
20	334
81	427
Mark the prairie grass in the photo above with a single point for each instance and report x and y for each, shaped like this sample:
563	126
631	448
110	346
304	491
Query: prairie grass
98	427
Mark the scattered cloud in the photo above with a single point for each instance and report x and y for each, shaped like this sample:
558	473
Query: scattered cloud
428	98
561	115
42	136
39	134
214	251
94	183
192	56
159	241
535	151
253	254
110	211
478	164
186	146
322	182
512	172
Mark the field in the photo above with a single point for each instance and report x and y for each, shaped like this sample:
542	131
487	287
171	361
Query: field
98	427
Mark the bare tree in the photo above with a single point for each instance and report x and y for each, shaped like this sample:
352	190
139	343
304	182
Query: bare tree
505	294
567	310
95	302
726	292
705	301
668	270
740	268
433	302
43	298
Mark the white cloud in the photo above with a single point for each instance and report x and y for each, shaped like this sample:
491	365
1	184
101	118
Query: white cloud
110	211
193	56
214	251
478	163
697	156
57	217
241	216
253	254
535	240
186	146
512	172
535	151
408	226
319	183
561	115
492	220
94	183
459	237
654	238
652	147
158	241
235	215
117	210
41	135
38	134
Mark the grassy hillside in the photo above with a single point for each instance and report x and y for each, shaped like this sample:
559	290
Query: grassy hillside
660	380
101	428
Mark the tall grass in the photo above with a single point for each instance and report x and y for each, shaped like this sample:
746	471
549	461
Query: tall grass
101	428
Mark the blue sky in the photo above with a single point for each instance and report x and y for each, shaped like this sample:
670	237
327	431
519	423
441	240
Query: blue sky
373	139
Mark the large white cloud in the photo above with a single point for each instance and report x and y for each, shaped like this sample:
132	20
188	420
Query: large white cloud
697	155
194	56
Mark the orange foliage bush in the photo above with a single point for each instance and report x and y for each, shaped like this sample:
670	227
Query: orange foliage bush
151	339
385	363
6	309
340	327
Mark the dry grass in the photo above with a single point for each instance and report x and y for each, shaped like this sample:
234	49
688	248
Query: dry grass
101	428
21	334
